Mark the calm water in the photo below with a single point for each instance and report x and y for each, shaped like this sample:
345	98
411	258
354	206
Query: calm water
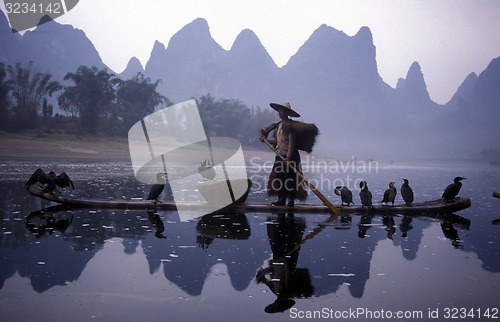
105	265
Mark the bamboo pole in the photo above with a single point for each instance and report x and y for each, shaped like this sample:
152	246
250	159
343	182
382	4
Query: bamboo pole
327	202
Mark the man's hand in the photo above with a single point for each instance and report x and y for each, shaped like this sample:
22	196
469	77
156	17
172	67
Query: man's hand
261	137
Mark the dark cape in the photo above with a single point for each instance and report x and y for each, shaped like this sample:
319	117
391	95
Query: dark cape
305	133
305	139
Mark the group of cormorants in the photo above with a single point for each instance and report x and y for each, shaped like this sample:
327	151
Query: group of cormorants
365	194
51	180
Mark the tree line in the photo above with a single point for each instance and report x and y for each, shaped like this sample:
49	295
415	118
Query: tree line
95	101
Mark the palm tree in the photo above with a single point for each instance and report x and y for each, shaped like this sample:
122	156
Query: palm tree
5	88
29	88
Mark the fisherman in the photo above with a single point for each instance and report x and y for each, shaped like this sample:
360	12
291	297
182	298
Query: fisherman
289	136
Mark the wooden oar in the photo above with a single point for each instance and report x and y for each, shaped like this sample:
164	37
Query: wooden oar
330	206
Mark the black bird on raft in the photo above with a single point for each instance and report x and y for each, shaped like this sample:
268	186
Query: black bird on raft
453	189
345	194
50	180
407	192
157	188
206	170
365	195
390	194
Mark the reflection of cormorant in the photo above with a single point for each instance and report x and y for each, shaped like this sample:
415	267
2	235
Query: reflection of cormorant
50	180
453	189
407	192
405	226
345	194
345	222
204	241
451	233
390	194
364	225
156	189
388	222
50	223
156	221
365	195
206	170
285	279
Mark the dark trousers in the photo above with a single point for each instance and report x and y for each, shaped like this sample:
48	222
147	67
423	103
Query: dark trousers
285	181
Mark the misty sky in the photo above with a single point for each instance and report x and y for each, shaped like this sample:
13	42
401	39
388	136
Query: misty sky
449	38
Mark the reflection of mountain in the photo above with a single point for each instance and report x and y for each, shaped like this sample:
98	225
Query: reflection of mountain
336	256
187	264
51	262
49	257
345	258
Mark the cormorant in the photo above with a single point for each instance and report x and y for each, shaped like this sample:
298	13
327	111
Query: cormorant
50	180
345	194
365	195
206	170
390	194
453	189
407	192
156	189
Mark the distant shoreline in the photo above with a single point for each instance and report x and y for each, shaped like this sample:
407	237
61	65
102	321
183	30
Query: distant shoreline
59	146
39	145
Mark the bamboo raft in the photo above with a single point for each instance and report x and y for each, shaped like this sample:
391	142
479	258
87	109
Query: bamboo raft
433	206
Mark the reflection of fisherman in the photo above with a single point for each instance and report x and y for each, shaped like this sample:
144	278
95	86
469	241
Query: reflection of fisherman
289	137
285	279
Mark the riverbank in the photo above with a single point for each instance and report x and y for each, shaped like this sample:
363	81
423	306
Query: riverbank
56	145
53	146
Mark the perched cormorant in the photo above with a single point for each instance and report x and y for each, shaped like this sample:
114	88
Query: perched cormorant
390	194
345	194
453	189
365	195
156	189
206	170
407	192
50	180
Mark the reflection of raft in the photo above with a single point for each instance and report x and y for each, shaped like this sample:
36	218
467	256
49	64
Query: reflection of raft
435	206
225	226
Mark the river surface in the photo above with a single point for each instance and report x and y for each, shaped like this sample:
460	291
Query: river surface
119	265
